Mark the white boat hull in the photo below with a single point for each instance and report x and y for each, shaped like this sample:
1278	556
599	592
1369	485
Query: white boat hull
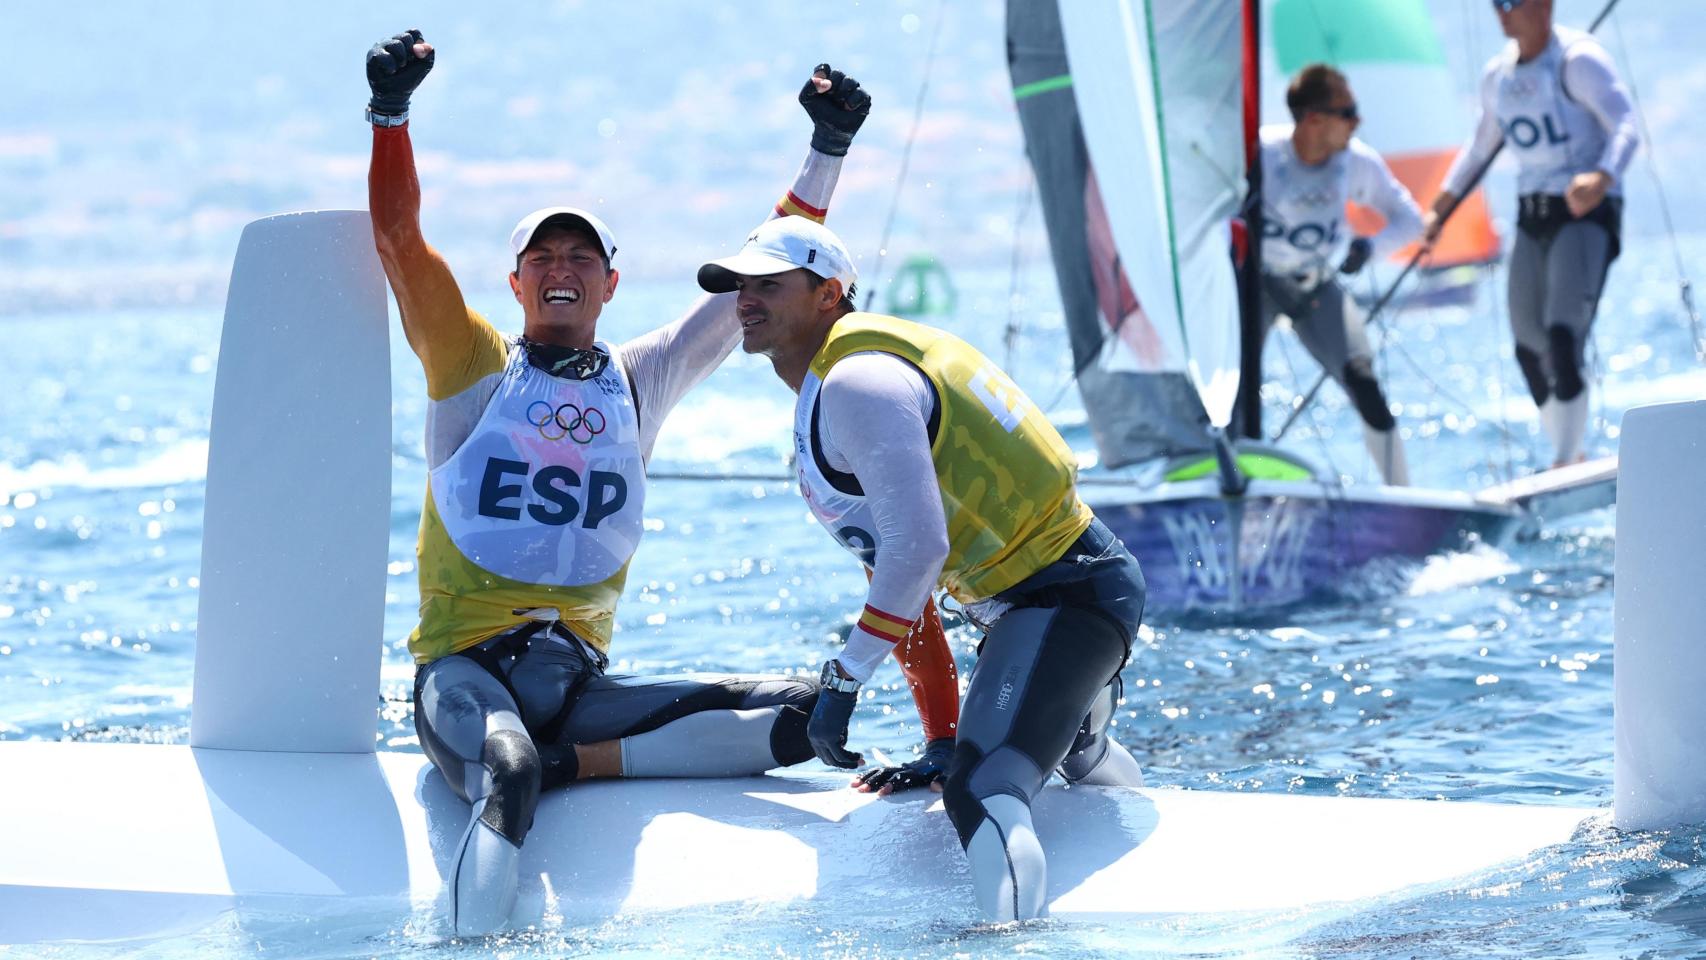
136	840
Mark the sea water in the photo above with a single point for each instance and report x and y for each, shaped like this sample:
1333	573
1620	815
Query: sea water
1488	676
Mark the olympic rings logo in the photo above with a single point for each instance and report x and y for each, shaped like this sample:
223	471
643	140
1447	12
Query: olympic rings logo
581	427
1314	198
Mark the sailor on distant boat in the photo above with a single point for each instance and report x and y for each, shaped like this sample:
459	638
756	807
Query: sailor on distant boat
1554	95
537	450
927	462
1310	168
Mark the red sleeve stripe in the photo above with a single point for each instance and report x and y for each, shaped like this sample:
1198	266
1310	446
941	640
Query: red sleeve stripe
885	625
791	205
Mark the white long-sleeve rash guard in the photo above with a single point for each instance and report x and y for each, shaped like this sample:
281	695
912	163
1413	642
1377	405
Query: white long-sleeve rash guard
667	362
1605	140
1305	203
873	412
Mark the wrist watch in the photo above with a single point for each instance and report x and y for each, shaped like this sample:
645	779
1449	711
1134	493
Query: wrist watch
832	679
387	119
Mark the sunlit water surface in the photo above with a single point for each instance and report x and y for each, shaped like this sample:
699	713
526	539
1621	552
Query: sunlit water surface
1488	677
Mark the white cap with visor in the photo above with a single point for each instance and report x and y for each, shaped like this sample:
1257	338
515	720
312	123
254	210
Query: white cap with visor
523	233
780	245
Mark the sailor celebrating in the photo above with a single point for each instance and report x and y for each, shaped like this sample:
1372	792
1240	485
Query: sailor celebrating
1554	97
537	449
1310	168
923	459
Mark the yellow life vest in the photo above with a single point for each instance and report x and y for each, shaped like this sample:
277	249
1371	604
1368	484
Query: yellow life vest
1008	480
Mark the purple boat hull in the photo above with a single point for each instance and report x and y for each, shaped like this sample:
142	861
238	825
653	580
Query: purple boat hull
1283	544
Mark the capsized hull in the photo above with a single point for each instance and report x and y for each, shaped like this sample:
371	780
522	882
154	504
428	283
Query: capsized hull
1285	543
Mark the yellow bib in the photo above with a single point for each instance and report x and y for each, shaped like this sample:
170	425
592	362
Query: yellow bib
463	604
1008	480
540	507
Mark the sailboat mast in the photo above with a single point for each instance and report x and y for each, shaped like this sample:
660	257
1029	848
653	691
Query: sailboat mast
1249	414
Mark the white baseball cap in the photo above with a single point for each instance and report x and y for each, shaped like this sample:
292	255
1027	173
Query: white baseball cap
530	224
779	245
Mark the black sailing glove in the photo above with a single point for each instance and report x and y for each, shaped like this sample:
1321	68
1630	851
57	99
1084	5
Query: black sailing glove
837	112
932	767
1357	255
393	72
827	728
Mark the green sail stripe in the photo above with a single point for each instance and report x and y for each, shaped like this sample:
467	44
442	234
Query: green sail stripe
1166	175
1042	86
1256	466
1352	31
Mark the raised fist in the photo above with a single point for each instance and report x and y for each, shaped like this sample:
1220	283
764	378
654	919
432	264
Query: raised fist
837	105
395	67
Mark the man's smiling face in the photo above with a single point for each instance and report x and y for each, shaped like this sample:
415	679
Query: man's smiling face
562	283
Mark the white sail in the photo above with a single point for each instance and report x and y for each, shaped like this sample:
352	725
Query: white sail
1159	90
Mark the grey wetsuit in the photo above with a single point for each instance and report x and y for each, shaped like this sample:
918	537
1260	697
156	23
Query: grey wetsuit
1557	270
1304	238
1563	113
1041	697
511	710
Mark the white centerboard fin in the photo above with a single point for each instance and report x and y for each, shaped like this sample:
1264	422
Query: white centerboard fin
294	538
1658	711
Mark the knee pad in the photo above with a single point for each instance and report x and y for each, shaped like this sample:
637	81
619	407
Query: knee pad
1087	754
1534	374
964	810
514	764
1365	393
975	776
559	765
1566	369
1091	744
788	741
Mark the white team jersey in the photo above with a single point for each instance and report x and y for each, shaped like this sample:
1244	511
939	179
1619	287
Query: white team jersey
1303	206
1561	114
550	487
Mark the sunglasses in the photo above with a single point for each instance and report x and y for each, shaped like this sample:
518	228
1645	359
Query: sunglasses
1343	113
1506	6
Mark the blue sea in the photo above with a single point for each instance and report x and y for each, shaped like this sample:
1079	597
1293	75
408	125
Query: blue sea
140	139
1489	677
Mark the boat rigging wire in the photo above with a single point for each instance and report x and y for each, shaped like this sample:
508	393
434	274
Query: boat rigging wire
1338	482
1375	316
754	476
1010	337
1686	288
1505	359
1442	390
906	153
